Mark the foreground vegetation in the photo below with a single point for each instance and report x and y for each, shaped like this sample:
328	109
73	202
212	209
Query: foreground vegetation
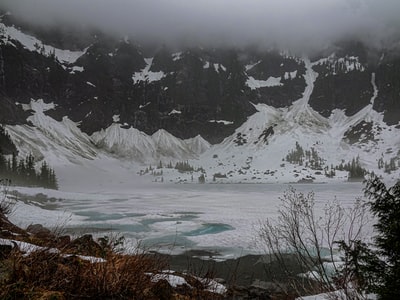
335	255
39	264
86	269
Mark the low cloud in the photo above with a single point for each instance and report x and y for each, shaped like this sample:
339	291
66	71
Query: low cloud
286	23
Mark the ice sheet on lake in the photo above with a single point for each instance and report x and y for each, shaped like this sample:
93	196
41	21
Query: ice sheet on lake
169	217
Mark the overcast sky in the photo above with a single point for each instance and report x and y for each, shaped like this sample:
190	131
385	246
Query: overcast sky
270	22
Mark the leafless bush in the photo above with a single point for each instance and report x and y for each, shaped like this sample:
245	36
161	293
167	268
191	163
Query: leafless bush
303	242
6	204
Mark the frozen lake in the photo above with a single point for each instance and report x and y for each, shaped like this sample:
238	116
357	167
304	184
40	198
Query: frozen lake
175	217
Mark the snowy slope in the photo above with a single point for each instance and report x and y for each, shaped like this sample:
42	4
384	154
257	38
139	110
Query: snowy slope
134	144
197	144
129	142
257	150
62	142
171	147
57	141
341	64
9	34
108	159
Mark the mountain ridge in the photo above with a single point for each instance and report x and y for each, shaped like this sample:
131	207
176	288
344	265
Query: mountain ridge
112	98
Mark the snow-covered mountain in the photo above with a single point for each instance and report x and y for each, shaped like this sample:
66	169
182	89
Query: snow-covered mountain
45	137
134	144
258	150
258	108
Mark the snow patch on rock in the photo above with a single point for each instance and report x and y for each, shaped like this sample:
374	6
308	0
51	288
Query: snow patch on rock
253	83
33	44
146	75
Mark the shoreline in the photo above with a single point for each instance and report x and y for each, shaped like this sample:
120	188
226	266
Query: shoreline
241	271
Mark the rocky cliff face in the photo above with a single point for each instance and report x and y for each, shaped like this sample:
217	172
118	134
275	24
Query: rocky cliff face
186	91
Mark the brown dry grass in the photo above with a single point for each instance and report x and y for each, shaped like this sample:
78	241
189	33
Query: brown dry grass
46	275
119	277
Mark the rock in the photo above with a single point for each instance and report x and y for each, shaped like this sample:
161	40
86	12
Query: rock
269	286
84	245
162	290
5	250
220	280
39	230
63	241
247	293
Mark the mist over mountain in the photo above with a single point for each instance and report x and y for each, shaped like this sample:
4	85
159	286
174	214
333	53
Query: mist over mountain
289	24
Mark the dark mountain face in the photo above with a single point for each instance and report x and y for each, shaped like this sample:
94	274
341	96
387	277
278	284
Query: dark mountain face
388	84
341	87
194	91
289	69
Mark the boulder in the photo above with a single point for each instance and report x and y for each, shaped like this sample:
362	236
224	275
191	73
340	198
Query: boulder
39	231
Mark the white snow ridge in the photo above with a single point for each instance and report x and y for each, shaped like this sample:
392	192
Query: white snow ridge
33	44
134	144
57	141
256	84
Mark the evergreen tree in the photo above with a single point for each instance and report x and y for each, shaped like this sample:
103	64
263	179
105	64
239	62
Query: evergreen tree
3	165
380	163
361	266
160	165
202	178
14	163
53	184
385	205
44	174
23	172
30	172
184	166
354	168
6	144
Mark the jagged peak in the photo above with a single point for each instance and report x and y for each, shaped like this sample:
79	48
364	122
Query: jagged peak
198	144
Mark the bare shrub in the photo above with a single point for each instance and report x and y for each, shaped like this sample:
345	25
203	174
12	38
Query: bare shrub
6	204
304	243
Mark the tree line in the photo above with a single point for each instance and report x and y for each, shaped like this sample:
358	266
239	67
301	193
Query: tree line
310	158
23	171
